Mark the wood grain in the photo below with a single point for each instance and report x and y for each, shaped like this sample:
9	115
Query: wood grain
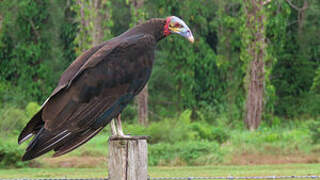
128	158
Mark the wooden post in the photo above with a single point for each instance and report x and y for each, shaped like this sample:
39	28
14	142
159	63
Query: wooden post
128	158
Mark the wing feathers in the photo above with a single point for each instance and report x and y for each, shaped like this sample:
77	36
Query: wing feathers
76	142
33	127
62	142
44	142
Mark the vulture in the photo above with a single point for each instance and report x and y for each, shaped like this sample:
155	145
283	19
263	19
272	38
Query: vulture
96	88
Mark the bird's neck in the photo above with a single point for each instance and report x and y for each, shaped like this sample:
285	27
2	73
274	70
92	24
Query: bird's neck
154	27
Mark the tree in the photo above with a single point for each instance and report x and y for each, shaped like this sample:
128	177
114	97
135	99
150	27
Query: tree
137	14
294	73
301	13
33	36
316	82
0	21
95	22
228	55
194	78
255	50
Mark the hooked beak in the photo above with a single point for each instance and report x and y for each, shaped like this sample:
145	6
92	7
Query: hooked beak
187	34
190	38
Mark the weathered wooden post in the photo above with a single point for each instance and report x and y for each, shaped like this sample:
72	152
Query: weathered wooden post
128	158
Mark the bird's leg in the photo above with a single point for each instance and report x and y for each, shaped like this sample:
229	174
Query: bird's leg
113	128
119	127
116	128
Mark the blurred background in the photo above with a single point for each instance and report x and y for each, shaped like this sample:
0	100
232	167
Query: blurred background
246	92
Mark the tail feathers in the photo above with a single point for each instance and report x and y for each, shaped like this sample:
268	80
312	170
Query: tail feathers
33	127
44	142
77	141
62	142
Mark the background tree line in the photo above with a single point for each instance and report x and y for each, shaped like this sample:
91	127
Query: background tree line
252	60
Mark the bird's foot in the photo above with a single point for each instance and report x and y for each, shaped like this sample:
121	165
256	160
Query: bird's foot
120	137
120	134
116	130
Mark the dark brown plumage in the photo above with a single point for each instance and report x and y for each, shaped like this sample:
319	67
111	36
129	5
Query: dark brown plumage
95	88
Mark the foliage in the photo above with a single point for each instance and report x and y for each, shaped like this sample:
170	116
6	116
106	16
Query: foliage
196	90
276	33
10	156
192	67
316	82
228	48
171	130
279	140
294	72
32	108
94	22
135	129
284	139
205	131
185	153
314	127
12	120
10	94
31	46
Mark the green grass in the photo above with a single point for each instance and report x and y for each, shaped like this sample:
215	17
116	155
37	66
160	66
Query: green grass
290	144
198	171
280	140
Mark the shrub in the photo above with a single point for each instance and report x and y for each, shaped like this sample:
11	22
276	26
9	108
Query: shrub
10	156
130	114
160	132
181	153
219	134
12	120
134	129
9	94
172	129
314	128
31	109
202	130
205	131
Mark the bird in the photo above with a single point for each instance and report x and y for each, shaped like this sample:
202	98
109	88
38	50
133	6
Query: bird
96	87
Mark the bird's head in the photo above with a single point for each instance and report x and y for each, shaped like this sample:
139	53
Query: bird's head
177	26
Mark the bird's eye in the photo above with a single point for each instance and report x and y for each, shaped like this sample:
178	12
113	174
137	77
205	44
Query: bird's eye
177	25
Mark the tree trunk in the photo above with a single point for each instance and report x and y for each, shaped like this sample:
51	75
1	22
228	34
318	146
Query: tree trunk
97	33
0	22
256	49
142	101
142	98
301	15
93	15
83	25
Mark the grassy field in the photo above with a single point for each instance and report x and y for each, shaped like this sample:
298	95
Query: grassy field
287	151
198	171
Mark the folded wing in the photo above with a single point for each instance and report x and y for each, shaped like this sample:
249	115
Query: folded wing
88	99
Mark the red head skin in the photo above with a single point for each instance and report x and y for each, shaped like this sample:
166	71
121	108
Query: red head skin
166	27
